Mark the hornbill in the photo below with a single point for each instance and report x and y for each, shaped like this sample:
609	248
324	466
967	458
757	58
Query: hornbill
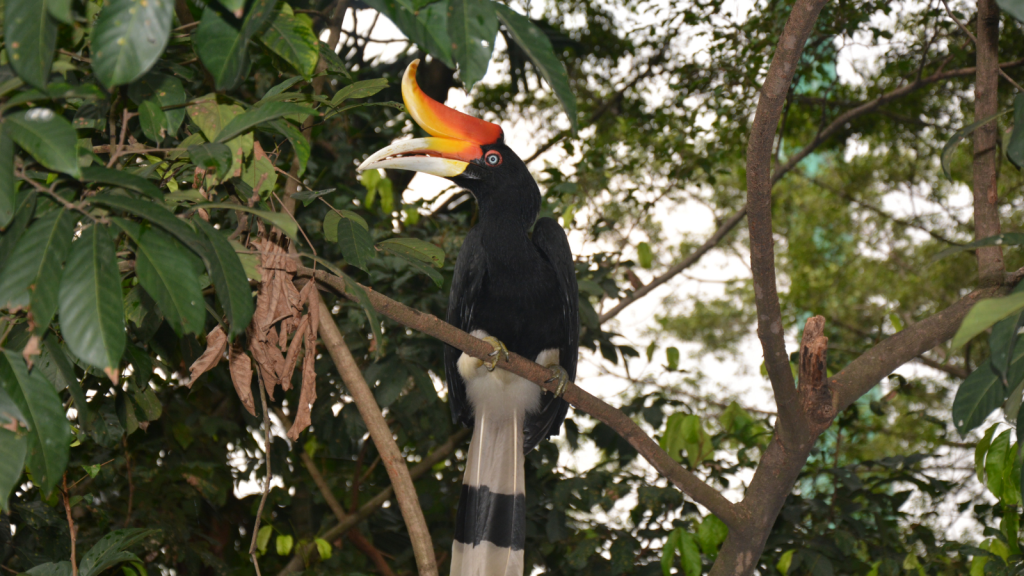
518	292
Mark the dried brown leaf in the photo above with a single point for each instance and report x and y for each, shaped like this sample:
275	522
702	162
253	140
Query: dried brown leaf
31	350
216	343
270	362
308	394
293	354
241	376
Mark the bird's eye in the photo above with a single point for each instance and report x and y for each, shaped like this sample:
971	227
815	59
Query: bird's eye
493	159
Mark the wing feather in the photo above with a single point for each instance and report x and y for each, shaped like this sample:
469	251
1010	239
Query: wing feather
470	269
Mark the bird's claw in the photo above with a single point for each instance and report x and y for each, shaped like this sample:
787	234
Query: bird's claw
499	350
558	373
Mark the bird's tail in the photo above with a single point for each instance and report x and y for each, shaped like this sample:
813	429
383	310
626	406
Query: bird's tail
490	529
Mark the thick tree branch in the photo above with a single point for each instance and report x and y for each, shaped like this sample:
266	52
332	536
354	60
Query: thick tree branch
429	324
440	453
986	157
405	492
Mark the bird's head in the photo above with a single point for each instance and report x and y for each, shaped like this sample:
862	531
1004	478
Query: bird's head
468	151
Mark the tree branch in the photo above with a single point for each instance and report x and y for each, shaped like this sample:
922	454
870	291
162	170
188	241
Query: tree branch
440	453
429	324
405	492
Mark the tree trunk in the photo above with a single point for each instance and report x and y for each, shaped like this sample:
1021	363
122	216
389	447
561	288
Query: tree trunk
986	157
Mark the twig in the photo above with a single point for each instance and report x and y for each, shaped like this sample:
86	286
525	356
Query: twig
266	482
71	525
185	27
405	492
78	57
616	419
125	117
131	483
975	40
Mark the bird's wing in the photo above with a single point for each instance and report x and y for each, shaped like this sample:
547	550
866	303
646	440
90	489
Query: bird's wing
470	268
551	242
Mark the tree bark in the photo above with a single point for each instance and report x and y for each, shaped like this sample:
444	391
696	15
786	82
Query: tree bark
986	157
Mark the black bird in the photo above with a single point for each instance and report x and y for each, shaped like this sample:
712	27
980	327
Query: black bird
517	291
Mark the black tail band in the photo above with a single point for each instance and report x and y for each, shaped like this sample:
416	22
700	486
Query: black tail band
497	518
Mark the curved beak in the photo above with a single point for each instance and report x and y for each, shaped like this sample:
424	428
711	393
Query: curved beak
456	137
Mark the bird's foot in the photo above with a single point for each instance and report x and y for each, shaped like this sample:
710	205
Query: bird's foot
499	351
558	373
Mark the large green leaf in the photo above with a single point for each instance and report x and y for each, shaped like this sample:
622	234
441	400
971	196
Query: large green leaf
361	89
256	116
167	90
13	448
981	393
229	279
30	37
535	43
297	139
153	121
415	248
22	216
91	312
211	116
1014	8
1002	341
122	179
946	158
985	314
62	568
1005	239
155	214
32	274
292	38
995	462
170	274
48	137
282	221
60	10
112	549
1015	148
128	38
8	186
356	243
49	432
223	45
57	368
472	26
212	156
426	27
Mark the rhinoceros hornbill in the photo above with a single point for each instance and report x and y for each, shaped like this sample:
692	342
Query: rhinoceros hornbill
518	292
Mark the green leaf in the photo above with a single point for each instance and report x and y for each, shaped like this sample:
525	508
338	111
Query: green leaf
236	7
985	314
672	357
1015	148
49	435
111	550
170	274
1002	341
57	368
13	448
370	179
981	450
1014	8
978	395
223	48
62	568
1011	478
91	313
785	561
212	156
281	220
47	136
32	274
427	27
668	552
691	555
644	255
331	223
284	543
995	461
60	10
256	116
167	91
1008	239
356	243
387	196
229	280
156	215
128	38
281	88
292	38
710	534
958	136
414	262
353	287
297	140
415	248
472	26
361	89
8	185
323	548
536	45
30	37
263	538
307	196
122	179
153	121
